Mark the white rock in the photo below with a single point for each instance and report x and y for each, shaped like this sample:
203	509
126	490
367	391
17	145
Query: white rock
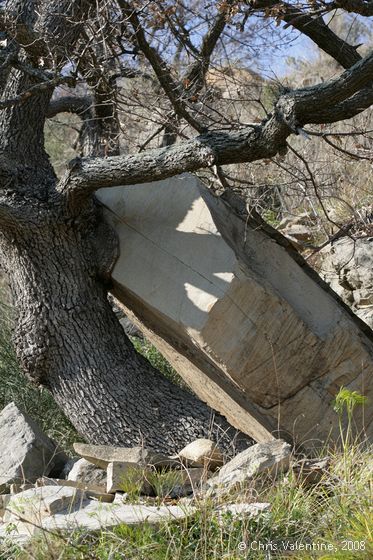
119	474
120	497
348	268
201	453
89	474
26	453
91	492
102	455
91	516
263	458
36	504
95	516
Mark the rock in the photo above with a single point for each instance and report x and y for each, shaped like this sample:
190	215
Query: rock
36	504
120	497
304	219
348	267
311	471
263	458
88	474
298	232
26	453
93	516
91	492
4	500
201	453
102	455
224	297
121	475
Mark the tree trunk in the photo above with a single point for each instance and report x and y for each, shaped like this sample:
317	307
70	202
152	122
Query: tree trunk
58	253
69	340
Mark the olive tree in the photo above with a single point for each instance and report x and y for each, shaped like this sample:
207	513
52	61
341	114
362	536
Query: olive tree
55	246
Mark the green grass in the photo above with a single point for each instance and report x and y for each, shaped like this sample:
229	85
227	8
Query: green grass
145	348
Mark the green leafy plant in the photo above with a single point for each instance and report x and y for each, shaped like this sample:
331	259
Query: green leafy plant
347	400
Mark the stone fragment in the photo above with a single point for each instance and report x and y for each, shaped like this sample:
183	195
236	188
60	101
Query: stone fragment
201	453
299	232
90	492
102	455
26	453
94	516
304	218
263	458
348	267
127	476
120	497
36	504
89	474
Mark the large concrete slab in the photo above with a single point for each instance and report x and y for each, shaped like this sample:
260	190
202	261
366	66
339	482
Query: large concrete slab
242	319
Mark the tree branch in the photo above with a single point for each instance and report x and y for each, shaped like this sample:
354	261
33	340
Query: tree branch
196	75
69	104
316	30
34	90
38	27
362	7
346	109
173	89
292	111
304	105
